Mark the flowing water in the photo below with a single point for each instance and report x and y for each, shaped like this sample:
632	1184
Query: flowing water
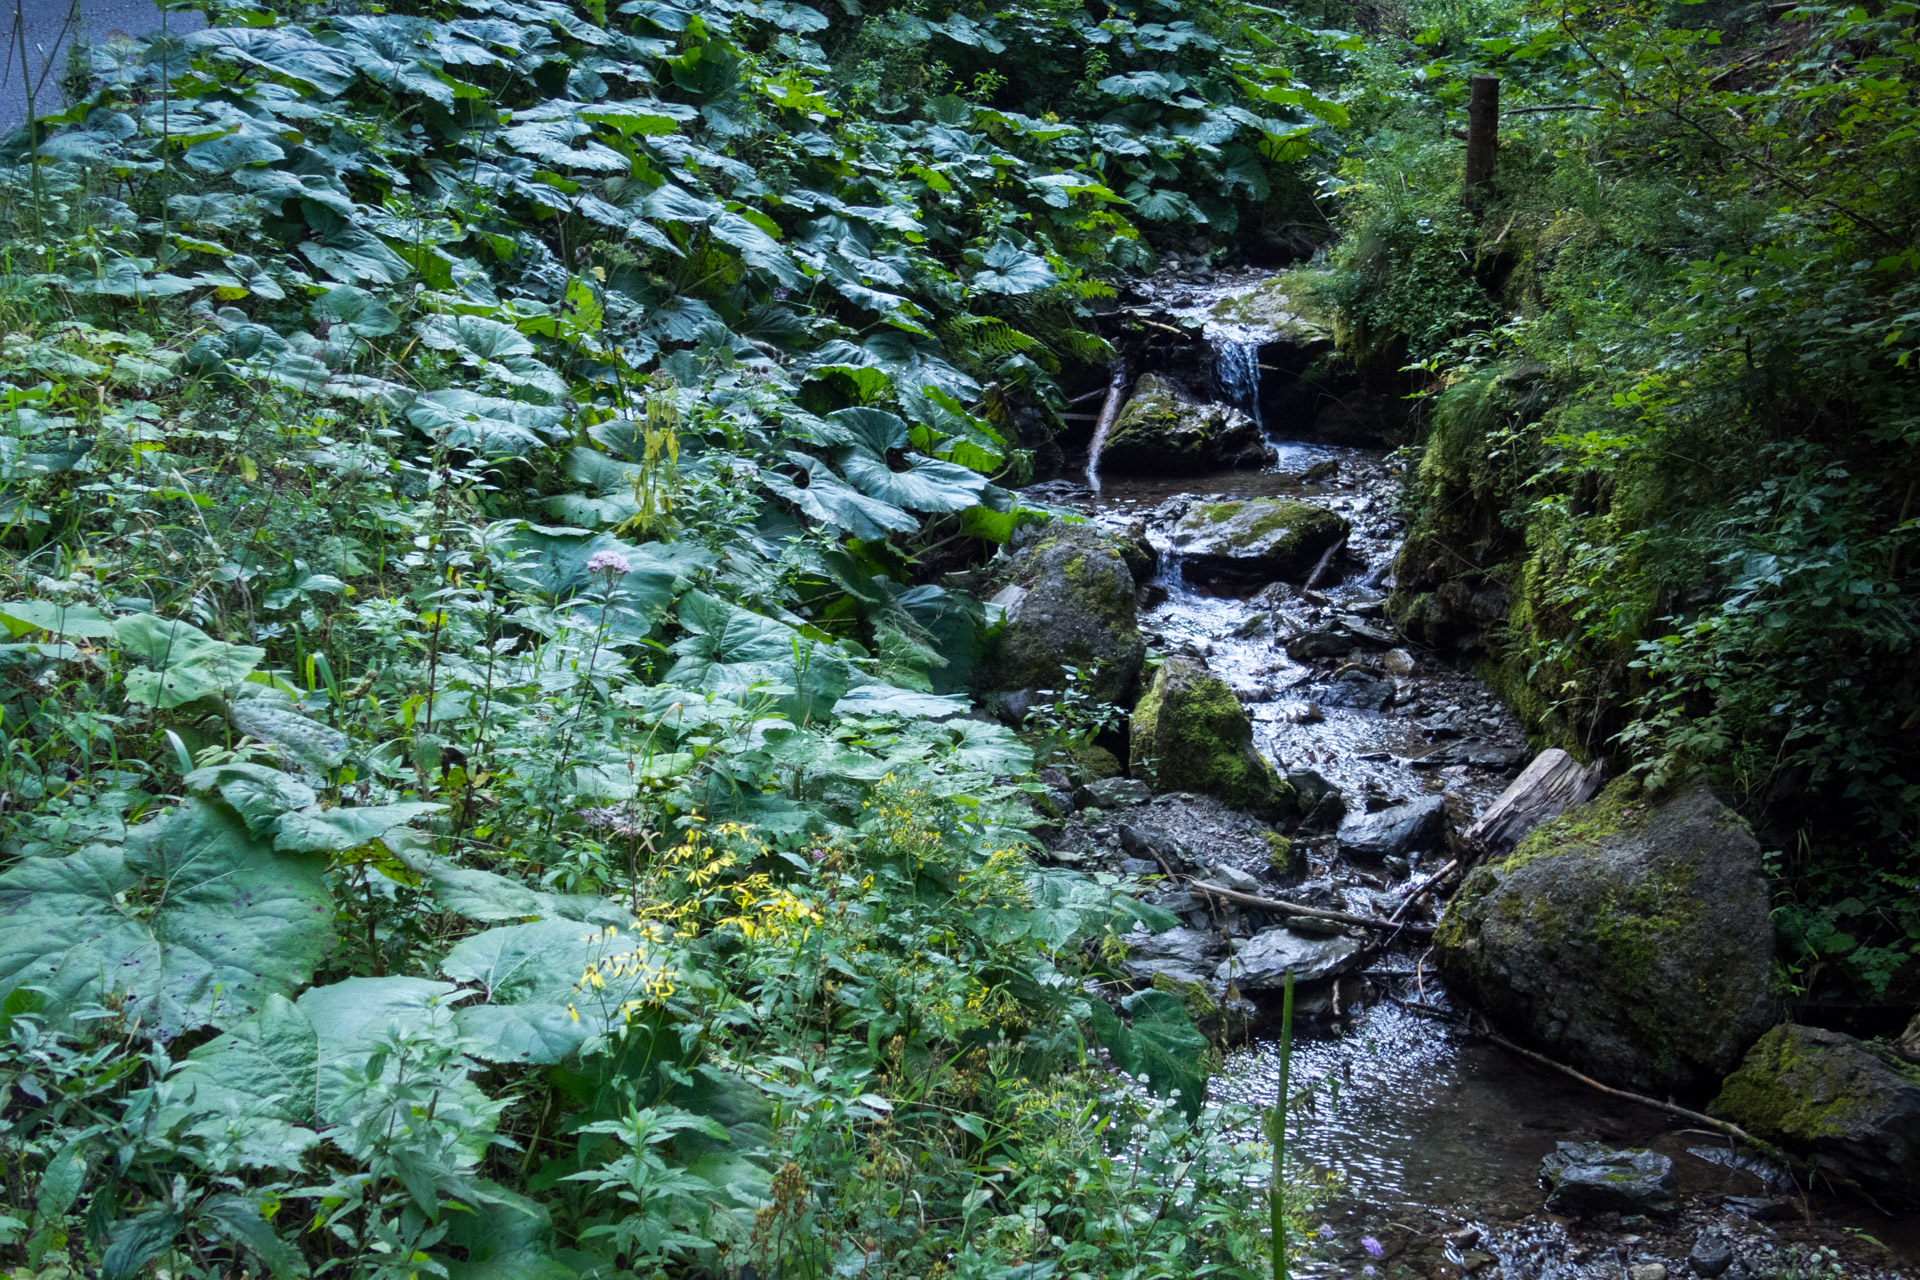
1433	1137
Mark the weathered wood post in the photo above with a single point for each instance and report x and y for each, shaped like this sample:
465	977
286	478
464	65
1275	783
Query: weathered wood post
1483	138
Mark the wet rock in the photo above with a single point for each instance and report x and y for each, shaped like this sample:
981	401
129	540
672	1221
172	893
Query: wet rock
1069	601
1191	734
1588	1178
1324	803
1112	793
1854	1113
1245	544
1302	713
1131	544
1185	955
1328	642
1397	662
1759	1208
1360	690
1155	845
1261	962
1648	1271
1628	939
1159	433
1396	831
1711	1255
1228	876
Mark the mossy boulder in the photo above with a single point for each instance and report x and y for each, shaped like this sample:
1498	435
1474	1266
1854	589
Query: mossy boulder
1627	938
1247	544
1290	306
1161	434
1191	734
1069	602
1852	1111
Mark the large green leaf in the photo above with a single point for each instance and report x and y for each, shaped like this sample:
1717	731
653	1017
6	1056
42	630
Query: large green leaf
1160	1046
194	920
914	481
497	350
1008	269
181	662
485	425
57	616
550	986
352	308
812	486
733	651
257	1082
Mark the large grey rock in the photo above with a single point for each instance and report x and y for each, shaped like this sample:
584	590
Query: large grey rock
1711	1255
1395	831
1262	961
1184	955
1113	793
1587	1177
1246	544
1852	1110
1361	690
1190	733
1630	940
1069	602
1159	433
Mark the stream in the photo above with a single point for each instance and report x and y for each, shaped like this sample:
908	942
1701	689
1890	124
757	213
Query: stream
1432	1137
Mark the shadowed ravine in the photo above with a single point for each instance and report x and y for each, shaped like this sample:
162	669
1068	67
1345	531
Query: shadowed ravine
1430	1135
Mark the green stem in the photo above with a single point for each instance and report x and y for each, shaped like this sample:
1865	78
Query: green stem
1277	1126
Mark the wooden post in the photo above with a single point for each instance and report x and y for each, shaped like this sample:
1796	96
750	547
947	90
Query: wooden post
1483	138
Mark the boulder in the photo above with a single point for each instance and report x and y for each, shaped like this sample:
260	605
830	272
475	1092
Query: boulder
1711	1255
1261	540
1360	690
1261	962
1629	939
1191	734
1587	1177
1324	804
1854	1112
1069	602
1112	793
1396	831
1159	433
1184	955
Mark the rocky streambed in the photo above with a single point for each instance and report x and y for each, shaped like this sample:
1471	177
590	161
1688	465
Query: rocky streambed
1300	788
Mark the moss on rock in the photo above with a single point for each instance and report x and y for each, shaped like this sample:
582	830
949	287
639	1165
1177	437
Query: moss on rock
1629	938
1161	433
1191	734
1257	541
1071	605
1829	1097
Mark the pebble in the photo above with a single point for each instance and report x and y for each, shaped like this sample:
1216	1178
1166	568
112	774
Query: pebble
1648	1271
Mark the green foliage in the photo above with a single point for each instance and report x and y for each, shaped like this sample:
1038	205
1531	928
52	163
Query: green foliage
1671	439
487	782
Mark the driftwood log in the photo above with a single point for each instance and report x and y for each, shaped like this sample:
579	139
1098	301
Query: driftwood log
1546	788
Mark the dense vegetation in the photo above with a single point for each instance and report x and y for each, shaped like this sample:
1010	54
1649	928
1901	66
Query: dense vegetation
476	477
1667	482
483	786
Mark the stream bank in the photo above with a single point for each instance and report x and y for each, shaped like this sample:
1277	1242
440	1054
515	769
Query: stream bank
1432	1137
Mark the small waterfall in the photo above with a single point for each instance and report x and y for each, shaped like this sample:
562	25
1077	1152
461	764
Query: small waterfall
1236	375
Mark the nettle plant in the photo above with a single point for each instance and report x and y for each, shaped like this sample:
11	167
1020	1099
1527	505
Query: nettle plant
489	779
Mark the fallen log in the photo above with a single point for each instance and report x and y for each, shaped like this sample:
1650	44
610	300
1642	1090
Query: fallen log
1553	783
1280	907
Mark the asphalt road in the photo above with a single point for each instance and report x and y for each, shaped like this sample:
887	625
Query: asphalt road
48	32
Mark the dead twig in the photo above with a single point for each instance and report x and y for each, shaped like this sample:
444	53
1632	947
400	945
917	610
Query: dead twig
1671	1108
1283	908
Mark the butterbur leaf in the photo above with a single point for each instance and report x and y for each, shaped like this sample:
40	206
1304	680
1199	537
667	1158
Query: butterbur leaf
812	486
257	1083
257	793
56	616
352	255
223	155
1161	1045
355	310
181	662
485	425
1008	269
194	920
549	986
915	482
348	827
